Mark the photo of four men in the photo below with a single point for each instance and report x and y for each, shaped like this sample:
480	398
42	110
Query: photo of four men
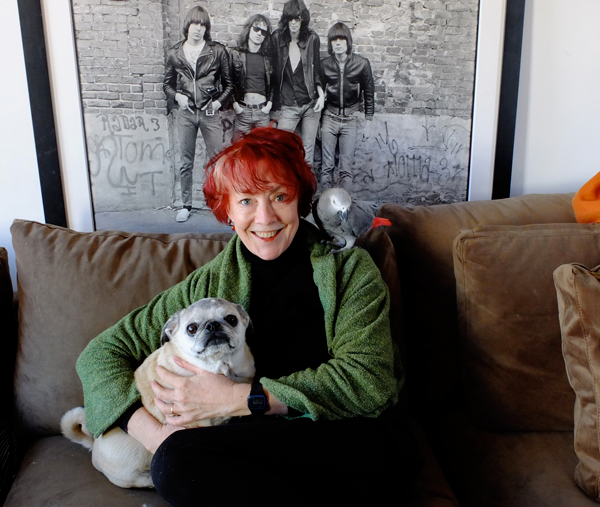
275	76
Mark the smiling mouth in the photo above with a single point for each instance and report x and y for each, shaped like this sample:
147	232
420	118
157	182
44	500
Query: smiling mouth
267	235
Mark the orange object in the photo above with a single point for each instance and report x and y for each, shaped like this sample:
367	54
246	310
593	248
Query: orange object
586	203
378	222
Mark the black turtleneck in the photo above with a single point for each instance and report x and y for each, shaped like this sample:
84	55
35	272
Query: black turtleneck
287	315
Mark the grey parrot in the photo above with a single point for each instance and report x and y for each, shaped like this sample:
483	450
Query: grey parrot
344	219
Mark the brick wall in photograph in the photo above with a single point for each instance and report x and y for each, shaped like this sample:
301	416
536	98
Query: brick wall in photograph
422	52
121	50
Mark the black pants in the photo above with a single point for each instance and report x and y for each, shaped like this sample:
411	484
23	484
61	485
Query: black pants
282	462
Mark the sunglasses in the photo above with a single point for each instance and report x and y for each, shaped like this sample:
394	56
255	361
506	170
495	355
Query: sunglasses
262	31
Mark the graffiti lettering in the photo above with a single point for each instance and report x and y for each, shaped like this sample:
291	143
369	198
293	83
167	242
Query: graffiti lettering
427	129
129	183
389	164
120	122
114	155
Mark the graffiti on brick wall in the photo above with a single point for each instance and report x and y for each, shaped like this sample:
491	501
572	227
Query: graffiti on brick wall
422	162
129	160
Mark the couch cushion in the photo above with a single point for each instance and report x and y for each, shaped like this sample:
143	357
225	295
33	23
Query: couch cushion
57	473
507	469
422	238
513	371
74	285
578	290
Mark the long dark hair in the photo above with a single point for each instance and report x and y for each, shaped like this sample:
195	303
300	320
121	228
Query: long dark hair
265	48
199	16
293	9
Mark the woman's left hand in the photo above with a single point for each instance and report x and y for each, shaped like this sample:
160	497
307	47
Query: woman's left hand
204	395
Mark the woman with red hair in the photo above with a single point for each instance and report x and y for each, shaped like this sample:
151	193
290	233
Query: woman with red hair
327	376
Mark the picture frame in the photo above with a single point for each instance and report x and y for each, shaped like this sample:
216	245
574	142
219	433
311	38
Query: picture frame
495	27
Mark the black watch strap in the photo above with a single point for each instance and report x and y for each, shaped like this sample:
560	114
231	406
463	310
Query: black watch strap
258	402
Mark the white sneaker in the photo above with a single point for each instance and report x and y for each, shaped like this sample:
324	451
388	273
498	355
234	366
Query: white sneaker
183	215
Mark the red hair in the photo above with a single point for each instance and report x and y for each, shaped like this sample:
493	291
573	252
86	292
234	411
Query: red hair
236	169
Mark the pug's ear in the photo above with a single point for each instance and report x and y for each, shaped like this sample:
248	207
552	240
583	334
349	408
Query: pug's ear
169	328
243	314
249	330
246	320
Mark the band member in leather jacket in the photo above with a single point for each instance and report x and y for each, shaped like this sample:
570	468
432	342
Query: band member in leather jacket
348	82
197	81
252	68
300	89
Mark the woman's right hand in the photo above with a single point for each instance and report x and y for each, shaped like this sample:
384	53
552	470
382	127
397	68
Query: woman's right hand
148	431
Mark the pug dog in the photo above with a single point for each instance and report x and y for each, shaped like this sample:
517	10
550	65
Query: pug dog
211	334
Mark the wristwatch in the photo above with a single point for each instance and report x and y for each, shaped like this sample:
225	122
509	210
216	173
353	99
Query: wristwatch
258	403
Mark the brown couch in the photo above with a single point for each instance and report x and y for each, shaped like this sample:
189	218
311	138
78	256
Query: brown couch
491	405
486	376
71	287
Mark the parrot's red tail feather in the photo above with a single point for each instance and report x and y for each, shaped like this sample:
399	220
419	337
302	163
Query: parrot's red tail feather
379	222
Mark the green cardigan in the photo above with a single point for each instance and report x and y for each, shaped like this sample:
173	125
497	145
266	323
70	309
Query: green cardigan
362	378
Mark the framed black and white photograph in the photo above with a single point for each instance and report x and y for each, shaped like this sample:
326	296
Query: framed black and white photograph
415	149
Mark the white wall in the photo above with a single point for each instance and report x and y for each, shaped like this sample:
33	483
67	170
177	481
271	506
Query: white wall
558	117
20	194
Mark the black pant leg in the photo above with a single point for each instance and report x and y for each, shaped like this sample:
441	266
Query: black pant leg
286	462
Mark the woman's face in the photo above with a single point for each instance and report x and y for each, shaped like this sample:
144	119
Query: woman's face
266	222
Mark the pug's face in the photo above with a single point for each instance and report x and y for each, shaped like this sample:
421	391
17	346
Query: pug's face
208	327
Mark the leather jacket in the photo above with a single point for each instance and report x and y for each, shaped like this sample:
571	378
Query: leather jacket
343	92
210	80
311	62
238	67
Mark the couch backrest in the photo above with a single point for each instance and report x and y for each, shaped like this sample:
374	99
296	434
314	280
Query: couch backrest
514	375
72	286
423	239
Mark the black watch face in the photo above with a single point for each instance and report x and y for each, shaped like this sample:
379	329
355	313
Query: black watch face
257	402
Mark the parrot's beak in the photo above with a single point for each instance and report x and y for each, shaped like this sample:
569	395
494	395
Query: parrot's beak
343	215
